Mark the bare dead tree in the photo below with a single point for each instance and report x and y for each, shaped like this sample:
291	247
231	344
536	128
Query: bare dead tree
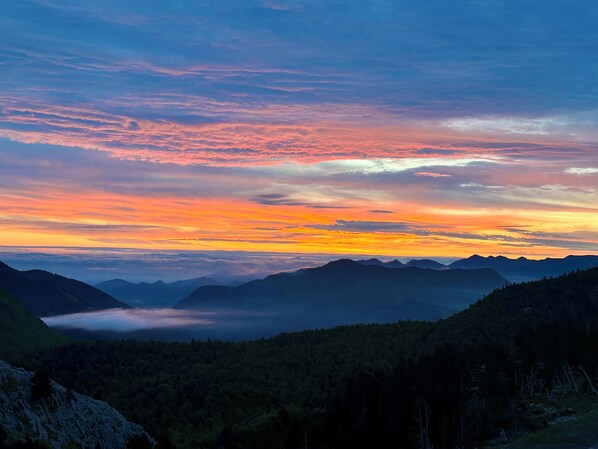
422	423
590	385
571	378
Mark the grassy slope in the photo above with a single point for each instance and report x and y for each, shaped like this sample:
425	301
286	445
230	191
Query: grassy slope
21	332
581	432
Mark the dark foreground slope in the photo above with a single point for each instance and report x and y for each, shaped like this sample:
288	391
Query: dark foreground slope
568	301
45	294
35	413
22	332
345	291
483	374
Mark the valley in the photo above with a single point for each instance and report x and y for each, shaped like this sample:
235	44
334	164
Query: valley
349	385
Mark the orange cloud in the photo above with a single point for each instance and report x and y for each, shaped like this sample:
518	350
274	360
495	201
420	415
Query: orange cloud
302	186
94	218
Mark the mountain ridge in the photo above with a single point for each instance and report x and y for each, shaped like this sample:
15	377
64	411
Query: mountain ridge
346	287
523	269
45	294
153	294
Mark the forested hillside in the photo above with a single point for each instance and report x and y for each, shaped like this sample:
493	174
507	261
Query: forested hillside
20	331
475	377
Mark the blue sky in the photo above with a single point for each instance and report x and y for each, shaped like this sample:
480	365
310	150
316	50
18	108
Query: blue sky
466	119
449	59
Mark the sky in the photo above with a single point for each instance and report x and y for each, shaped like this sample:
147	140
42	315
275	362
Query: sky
320	127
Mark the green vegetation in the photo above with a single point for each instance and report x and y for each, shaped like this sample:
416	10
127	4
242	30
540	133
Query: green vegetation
21	332
574	431
198	389
475	377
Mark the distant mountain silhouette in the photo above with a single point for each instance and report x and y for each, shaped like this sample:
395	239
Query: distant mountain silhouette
45	294
394	264
391	264
418	263
372	261
523	269
345	291
425	263
156	294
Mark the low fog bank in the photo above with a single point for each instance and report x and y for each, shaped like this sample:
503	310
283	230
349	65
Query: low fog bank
130	320
187	325
173	325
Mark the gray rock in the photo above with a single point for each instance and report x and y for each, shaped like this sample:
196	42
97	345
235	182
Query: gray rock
63	419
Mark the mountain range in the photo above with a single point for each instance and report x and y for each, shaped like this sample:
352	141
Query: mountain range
522	269
507	364
396	263
520	363
156	294
515	270
345	291
44	294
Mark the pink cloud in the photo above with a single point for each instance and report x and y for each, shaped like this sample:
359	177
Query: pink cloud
432	174
246	135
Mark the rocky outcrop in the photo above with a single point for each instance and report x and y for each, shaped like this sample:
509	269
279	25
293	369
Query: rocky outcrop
60	418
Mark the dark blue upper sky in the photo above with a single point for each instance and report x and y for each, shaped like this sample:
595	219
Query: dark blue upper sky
416	58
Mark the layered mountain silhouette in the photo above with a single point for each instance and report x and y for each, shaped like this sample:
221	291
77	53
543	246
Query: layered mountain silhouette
156	294
425	263
515	270
44	294
345	291
470	362
522	269
396	263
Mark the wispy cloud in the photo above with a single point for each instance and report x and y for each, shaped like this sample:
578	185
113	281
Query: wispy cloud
278	199
374	226
582	170
231	125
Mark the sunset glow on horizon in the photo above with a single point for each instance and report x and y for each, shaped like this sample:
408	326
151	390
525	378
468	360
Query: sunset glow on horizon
300	127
